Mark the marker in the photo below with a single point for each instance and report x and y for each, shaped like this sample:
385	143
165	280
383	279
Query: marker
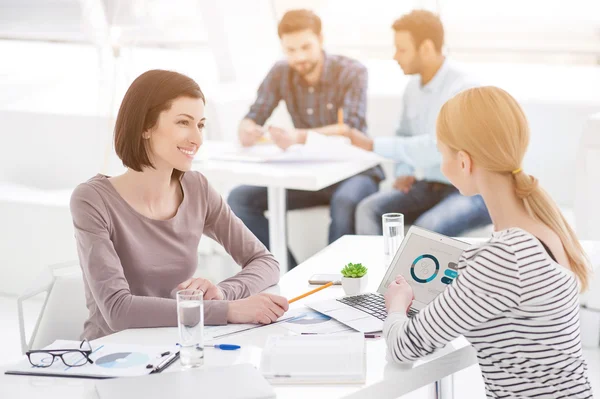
224	347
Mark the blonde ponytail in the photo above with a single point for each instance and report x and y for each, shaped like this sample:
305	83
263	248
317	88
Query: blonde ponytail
489	124
541	207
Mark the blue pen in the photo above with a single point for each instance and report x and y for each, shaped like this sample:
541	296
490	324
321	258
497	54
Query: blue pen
225	347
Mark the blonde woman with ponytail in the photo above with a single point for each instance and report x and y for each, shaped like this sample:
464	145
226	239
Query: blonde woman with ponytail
517	296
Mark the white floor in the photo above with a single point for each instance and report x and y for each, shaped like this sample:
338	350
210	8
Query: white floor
468	383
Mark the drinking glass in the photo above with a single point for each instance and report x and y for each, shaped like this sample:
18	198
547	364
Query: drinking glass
393	233
190	321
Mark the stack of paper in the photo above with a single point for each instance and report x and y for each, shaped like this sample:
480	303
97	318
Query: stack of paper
319	359
318	148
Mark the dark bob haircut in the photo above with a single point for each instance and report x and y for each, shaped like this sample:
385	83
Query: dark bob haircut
150	94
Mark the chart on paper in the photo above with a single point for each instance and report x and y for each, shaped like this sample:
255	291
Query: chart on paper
310	322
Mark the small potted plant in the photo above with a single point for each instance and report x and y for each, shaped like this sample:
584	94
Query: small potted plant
354	278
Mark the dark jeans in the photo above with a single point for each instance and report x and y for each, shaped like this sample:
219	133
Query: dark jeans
433	206
249	203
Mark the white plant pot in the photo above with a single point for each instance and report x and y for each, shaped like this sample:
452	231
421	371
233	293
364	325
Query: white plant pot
354	286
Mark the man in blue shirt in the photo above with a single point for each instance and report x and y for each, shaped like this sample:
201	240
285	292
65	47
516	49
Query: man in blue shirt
314	85
420	192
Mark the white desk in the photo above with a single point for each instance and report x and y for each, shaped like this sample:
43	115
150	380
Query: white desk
278	177
384	380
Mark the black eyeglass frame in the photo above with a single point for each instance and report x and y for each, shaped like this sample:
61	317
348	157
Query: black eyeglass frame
58	353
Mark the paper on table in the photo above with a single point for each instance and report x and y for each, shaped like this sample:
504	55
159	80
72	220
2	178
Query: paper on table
110	360
308	321
321	359
214	332
335	148
299	320
318	148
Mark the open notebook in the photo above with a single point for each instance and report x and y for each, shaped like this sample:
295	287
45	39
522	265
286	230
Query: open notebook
318	359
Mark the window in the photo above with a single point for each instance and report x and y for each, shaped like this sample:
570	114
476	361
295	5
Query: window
51	20
548	31
156	23
152	23
544	31
359	29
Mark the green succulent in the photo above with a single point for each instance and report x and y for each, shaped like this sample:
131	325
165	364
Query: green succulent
354	270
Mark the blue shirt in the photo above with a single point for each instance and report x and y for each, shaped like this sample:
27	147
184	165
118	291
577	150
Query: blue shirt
413	148
343	84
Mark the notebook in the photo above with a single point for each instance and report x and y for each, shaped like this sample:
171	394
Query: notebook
110	360
241	381
318	359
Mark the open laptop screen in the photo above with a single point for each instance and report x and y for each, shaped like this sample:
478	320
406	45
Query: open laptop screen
428	261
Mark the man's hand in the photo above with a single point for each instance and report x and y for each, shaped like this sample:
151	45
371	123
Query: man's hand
334	130
404	183
249	132
359	139
211	291
284	139
261	308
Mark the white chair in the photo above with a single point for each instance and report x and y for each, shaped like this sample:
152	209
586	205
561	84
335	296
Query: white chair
63	312
35	190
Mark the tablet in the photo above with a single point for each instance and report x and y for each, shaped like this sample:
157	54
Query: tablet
429	263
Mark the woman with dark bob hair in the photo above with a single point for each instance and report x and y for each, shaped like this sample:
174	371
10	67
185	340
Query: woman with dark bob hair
138	233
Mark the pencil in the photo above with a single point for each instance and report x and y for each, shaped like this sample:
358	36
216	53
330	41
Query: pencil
340	120
329	284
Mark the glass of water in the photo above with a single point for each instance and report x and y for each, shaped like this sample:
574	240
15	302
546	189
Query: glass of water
190	320
393	233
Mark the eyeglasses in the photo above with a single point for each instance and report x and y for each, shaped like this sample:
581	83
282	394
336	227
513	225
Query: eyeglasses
70	357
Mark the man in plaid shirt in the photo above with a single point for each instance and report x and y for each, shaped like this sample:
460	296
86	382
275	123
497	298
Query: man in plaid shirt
313	85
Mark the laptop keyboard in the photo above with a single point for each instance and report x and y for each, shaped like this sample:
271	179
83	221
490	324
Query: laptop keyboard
372	303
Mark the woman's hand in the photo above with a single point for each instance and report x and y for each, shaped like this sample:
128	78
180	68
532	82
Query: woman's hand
260	308
398	296
211	291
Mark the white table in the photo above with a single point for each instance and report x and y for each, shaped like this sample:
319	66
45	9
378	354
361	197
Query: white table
384	380
278	177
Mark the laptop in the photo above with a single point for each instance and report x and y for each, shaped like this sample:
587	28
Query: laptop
427	260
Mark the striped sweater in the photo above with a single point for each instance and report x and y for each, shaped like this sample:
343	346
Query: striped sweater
520	311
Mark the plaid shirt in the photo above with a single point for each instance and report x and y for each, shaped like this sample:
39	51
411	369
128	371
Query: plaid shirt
343	84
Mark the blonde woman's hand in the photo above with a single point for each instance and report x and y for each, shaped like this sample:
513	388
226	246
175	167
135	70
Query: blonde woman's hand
257	309
211	291
399	295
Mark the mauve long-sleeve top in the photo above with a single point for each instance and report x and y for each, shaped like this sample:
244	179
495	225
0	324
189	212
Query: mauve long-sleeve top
131	264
